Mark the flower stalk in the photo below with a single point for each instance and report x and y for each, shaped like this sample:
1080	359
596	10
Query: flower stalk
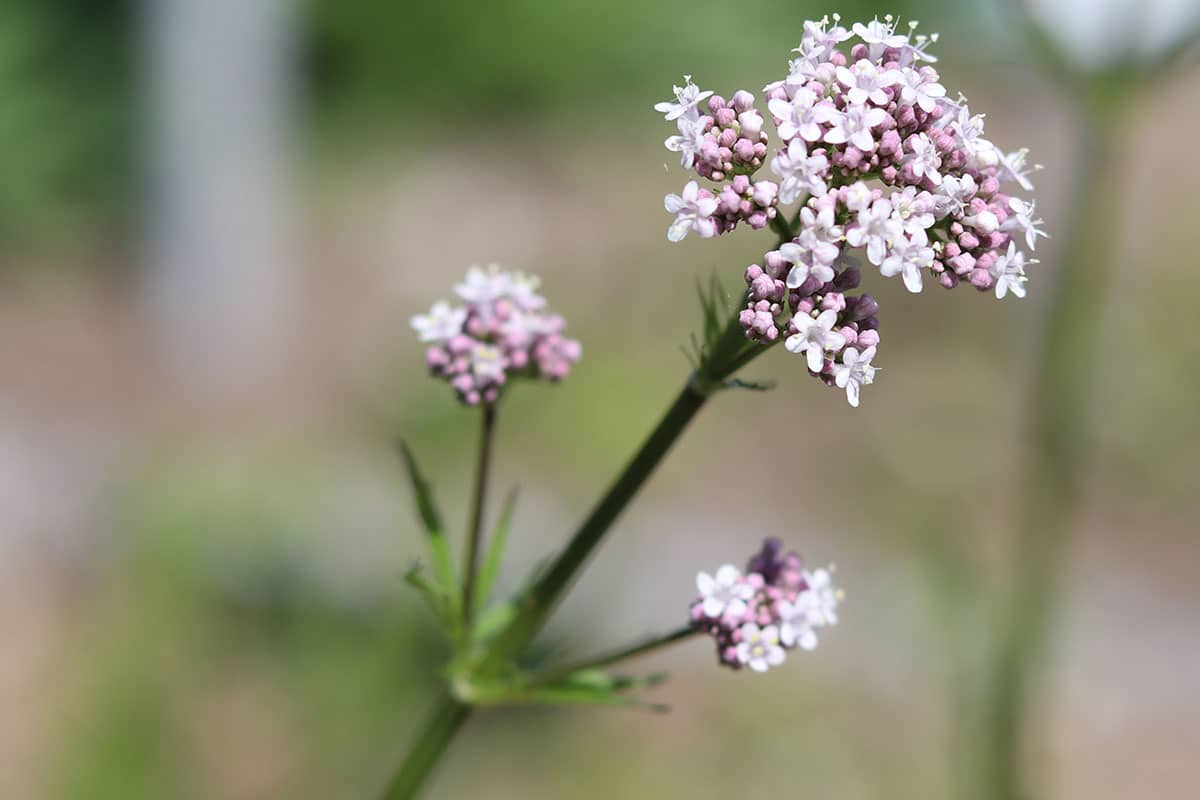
478	502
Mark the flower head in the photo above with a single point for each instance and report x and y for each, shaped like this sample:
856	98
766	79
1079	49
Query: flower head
882	159
774	606
500	332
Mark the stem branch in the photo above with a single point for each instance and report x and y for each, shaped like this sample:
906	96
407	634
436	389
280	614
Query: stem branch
608	659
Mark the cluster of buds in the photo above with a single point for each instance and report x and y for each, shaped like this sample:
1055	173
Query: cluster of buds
501	331
879	159
776	605
726	144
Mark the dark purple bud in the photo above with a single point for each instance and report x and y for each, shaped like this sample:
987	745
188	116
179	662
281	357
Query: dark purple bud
848	278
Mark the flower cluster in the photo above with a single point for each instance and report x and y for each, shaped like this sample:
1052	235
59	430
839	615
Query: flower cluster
880	160
501	331
757	616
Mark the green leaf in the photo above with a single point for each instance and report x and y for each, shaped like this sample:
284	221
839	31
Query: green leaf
754	386
493	620
495	554
584	694
433	596
443	567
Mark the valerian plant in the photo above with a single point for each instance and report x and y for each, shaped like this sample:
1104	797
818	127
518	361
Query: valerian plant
871	159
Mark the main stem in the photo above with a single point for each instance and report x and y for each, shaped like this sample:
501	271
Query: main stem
729	354
447	717
1054	453
478	501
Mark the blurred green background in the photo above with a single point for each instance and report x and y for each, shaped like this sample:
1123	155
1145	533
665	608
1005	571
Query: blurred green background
201	569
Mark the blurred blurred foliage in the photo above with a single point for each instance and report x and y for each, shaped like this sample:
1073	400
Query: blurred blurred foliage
374	69
66	77
218	617
477	63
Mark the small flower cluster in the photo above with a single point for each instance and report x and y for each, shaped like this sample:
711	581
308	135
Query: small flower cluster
848	115
775	606
501	331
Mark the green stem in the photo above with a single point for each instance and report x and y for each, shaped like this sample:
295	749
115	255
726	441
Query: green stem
608	659
447	717
1054	454
478	501
729	353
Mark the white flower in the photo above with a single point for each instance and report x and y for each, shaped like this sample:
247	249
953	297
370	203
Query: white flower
803	69
920	87
865	81
483	287
879	36
687	98
692	213
1009	272
1012	168
820	235
805	263
915	48
923	157
953	194
858	196
854	372
523	291
802	116
821	598
441	324
968	129
795	627
759	649
874	229
687	142
726	593
823	40
814	337
487	364
854	126
799	172
908	256
913	209
1021	221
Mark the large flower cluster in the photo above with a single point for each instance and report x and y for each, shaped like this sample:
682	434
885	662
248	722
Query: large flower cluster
757	616
879	159
501	331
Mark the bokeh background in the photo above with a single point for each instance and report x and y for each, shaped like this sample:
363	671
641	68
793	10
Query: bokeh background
215	221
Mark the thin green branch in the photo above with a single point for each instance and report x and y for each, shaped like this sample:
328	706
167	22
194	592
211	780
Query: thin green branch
478	502
608	659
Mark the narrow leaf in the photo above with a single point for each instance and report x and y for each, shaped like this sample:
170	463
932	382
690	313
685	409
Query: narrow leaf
557	694
433	597
443	567
495	554
754	386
